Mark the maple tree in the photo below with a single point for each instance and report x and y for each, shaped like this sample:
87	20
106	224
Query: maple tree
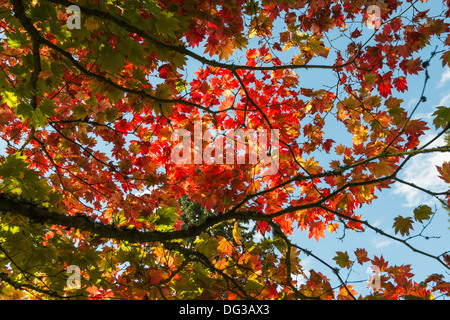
87	120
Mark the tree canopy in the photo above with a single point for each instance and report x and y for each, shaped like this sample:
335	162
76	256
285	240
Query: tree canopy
115	126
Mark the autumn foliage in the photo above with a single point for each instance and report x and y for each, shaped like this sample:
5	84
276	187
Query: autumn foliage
88	116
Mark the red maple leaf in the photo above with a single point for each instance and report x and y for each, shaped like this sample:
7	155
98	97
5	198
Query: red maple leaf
400	84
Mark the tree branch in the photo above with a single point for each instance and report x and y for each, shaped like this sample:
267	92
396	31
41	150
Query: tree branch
187	52
17	206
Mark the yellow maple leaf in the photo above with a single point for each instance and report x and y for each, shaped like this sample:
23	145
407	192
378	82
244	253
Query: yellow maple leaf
91	24
383	168
344	292
360	135
237	233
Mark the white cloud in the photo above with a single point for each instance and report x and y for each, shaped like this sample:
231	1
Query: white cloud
421	171
378	243
445	100
445	77
377	223
424	116
306	265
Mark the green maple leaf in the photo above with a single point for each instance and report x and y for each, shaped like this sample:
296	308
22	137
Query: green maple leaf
133	51
110	59
167	25
17	39
253	284
370	78
153	8
38	117
165	218
206	245
441	117
422	213
343	260
403	225
47	107
19	179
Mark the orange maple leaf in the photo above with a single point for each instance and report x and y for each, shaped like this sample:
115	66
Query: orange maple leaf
225	247
444	170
